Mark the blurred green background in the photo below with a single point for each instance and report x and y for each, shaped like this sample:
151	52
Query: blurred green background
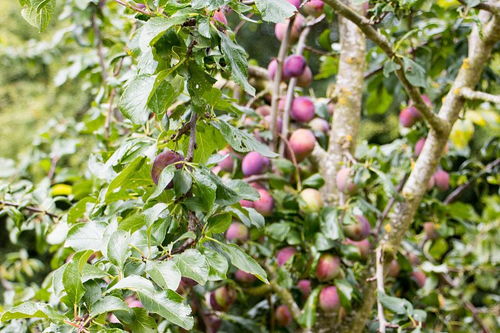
29	62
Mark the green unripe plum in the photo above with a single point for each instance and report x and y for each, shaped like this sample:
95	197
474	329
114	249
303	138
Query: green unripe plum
312	199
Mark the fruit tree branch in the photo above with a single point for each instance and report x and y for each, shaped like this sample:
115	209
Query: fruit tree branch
434	121
490	6
379	266
192	136
277	81
30	208
468	93
134	8
287	299
480	46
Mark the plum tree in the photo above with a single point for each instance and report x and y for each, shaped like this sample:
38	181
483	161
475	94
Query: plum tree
270	233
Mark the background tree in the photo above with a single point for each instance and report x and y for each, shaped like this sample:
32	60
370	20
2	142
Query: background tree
196	190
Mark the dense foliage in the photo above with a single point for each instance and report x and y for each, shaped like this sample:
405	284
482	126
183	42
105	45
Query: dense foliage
167	206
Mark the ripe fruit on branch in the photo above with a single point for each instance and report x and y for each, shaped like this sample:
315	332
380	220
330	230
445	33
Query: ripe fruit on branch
263	110
285	254
362	245
394	268
246	203
163	160
220	17
314	7
254	164
409	116
237	232
329	300
295	3
244	277
294	66
222	298
358	230
430	230
227	163
312	199
419	277
213	323
302	109
319	125
283	316
328	267
280	28
441	180
344	182
306	78
302	142
266	123
419	146
265	203
305	287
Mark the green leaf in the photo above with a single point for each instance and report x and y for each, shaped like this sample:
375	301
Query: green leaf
156	27
394	304
134	100
209	4
329	223
314	181
345	290
86	236
219	223
242	260
308	315
275	10
414	73
278	231
236	58
27	310
72	282
192	264
108	304
165	274
38	13
118	247
182	182
128	174
241	141
218	265
165	178
167	304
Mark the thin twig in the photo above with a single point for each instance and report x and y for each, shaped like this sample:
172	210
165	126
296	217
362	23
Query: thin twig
100	52
30	208
389	205
53	164
192	136
489	6
294	161
379	266
277	82
459	190
134	8
471	94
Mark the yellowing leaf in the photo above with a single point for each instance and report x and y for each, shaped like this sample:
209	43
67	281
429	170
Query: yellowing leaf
61	189
447	3
462	132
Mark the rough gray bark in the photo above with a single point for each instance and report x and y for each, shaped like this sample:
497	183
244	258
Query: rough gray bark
347	114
